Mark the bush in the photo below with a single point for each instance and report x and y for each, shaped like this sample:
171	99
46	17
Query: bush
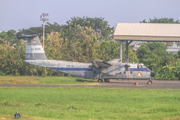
1	73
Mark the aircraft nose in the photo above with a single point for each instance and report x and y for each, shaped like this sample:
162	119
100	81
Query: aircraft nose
153	74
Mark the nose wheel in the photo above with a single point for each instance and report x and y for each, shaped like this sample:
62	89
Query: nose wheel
150	81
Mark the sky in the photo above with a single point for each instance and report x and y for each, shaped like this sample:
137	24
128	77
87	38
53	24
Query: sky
19	14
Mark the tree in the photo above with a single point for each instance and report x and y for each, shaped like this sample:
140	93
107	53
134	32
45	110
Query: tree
9	36
160	20
98	24
153	55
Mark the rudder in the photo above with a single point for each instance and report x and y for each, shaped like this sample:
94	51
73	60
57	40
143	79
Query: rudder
34	49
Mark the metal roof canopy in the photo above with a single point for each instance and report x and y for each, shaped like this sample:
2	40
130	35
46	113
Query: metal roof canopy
147	32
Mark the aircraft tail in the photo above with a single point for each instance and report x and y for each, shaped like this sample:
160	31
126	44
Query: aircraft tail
34	49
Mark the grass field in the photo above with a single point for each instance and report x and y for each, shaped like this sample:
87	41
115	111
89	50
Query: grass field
85	103
24	117
44	80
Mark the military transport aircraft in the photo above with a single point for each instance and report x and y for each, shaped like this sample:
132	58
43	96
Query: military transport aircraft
98	69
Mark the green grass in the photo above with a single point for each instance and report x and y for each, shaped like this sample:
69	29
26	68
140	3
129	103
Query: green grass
44	80
65	80
84	103
24	117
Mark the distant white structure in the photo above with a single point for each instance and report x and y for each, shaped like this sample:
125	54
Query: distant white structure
2	31
173	49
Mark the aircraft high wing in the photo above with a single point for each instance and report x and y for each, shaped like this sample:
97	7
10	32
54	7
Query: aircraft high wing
100	63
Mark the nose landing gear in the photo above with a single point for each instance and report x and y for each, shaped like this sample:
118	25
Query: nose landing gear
150	81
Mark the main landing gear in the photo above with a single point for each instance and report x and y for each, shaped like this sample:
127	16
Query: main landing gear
100	80
105	80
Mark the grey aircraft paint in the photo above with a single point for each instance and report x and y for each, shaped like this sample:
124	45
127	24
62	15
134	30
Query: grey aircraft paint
34	50
96	70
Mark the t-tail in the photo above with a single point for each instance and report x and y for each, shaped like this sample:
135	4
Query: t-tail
34	49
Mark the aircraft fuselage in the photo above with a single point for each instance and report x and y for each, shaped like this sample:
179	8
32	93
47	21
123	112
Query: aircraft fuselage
86	70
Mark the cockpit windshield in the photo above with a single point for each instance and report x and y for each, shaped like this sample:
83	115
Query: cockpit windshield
140	65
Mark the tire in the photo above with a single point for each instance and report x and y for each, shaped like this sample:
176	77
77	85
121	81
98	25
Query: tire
100	80
149	82
135	83
106	80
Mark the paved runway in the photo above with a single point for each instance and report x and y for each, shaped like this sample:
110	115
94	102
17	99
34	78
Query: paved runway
142	84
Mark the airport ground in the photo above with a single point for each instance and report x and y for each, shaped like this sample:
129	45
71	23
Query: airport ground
25	81
83	102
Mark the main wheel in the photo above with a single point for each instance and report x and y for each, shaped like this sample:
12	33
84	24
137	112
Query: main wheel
100	80
106	80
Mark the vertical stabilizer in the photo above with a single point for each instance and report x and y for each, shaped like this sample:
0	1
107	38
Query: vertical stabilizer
34	49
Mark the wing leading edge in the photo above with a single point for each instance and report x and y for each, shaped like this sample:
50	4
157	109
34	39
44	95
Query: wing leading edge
99	63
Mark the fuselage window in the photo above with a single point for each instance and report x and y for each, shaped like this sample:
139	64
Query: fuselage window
124	72
131	72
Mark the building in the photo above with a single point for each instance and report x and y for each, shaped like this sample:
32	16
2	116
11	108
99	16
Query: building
172	49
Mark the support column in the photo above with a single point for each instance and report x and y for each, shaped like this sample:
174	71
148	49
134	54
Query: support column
43	32
121	45
126	51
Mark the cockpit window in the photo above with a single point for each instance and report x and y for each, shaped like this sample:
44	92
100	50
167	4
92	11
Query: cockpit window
148	69
140	65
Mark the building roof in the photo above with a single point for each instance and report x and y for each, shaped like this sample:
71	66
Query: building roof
147	32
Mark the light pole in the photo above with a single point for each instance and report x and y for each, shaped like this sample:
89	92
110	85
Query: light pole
44	17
